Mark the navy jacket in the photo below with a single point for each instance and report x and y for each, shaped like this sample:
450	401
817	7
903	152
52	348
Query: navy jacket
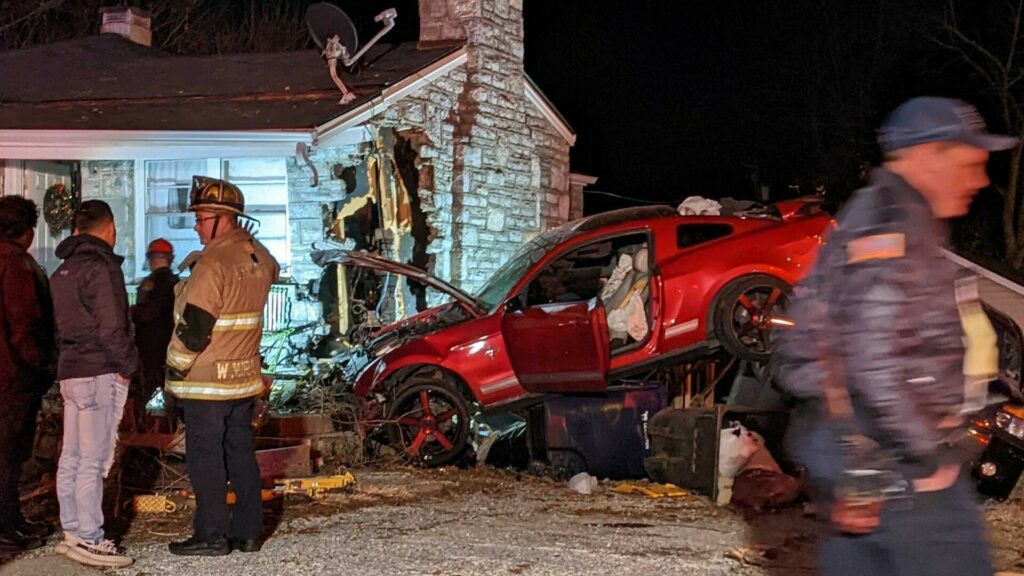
153	315
881	301
94	331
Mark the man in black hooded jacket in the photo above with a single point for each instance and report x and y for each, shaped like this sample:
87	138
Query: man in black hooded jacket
97	361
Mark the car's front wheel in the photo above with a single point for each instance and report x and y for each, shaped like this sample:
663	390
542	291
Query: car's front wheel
748	313
429	421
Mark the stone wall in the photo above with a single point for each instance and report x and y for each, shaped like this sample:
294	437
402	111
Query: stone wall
493	171
503	176
307	203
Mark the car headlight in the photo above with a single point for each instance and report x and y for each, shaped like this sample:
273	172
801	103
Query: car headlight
1011	424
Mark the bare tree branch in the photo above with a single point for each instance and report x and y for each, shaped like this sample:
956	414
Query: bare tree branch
989	78
43	7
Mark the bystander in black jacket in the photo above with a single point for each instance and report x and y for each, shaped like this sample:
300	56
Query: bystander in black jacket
153	315
95	331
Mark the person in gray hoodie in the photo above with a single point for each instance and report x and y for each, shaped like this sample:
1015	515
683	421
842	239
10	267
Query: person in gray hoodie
97	360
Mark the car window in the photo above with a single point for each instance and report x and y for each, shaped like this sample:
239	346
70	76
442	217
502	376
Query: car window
581	273
497	286
688	235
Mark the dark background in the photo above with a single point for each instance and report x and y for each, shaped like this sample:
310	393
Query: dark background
668	98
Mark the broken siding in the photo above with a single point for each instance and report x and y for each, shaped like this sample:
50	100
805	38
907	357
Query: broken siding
309	206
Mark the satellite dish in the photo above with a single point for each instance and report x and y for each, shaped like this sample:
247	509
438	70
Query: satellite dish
325	20
334	33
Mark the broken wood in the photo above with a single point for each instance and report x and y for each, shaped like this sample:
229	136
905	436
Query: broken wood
39	491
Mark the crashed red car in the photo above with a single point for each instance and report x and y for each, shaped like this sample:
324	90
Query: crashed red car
581	306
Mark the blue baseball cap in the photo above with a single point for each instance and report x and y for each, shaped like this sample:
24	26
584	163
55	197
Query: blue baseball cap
931	119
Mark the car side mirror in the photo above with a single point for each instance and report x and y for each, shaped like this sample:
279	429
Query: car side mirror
516	303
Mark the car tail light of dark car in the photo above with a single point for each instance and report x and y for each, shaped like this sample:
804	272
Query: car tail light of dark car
1011	424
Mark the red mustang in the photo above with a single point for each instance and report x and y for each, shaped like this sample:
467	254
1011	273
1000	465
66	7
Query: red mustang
580	306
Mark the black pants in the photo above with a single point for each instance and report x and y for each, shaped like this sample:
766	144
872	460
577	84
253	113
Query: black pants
219	448
17	436
10	507
942	533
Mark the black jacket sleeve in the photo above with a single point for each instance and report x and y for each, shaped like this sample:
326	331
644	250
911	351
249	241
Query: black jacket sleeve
108	301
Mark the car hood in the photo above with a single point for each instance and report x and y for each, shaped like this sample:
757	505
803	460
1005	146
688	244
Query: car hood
365	260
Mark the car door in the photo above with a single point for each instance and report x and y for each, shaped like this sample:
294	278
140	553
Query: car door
558	347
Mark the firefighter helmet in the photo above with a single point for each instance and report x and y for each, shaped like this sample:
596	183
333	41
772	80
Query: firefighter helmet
215	195
160	246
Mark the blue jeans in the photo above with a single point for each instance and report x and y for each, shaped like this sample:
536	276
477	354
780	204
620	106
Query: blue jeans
92	412
941	534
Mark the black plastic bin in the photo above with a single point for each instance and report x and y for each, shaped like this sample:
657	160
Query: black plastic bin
603	435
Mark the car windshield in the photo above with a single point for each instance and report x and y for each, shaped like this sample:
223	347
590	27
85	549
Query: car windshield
497	287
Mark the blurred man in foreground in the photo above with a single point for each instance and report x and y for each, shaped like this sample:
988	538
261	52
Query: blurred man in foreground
877	356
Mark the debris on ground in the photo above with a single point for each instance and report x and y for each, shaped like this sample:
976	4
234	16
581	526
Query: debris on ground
583	483
653	490
314	487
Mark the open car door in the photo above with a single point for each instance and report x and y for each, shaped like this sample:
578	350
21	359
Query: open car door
560	347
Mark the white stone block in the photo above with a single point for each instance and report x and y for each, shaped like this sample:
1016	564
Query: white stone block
496	220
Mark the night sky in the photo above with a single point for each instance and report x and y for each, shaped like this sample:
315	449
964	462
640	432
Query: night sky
672	99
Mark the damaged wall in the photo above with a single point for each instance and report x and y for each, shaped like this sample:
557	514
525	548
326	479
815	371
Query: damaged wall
491	170
309	205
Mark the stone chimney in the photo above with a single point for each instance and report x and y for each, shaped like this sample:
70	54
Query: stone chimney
127	21
491	29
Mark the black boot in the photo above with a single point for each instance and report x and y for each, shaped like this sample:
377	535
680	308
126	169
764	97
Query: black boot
196	547
35	528
14	541
246	545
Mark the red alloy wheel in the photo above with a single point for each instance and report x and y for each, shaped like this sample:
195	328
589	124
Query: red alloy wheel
429	423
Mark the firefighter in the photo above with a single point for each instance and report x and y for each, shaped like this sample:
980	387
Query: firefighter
153	315
214	369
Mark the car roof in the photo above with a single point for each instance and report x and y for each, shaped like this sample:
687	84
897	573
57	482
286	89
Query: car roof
620	216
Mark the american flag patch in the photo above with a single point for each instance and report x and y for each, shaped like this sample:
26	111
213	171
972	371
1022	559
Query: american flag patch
877	247
969	115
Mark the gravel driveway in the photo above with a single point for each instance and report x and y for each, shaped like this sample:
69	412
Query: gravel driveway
448	522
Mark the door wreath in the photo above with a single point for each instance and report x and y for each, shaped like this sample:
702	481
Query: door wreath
59	205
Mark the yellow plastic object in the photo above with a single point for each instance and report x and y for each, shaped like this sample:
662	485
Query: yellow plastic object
153	504
315	486
651	491
981	356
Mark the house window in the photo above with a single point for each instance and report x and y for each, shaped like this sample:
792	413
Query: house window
263	181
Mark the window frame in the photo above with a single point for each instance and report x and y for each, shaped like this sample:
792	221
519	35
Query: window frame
213	166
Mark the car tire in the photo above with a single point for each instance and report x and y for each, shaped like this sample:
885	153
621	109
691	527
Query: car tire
743	313
429	422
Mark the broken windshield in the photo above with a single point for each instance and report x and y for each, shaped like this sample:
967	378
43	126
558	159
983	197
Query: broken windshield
497	287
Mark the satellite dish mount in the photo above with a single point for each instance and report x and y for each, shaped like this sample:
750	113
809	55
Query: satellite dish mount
334	33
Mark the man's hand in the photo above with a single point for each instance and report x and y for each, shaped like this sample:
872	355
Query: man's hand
122	380
174	374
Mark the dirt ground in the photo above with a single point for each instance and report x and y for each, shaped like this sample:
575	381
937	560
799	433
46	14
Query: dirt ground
485	521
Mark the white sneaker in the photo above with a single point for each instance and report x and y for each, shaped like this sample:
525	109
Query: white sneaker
103	553
65	544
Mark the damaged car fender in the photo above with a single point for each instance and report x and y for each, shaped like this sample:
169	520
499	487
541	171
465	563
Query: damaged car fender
380	369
